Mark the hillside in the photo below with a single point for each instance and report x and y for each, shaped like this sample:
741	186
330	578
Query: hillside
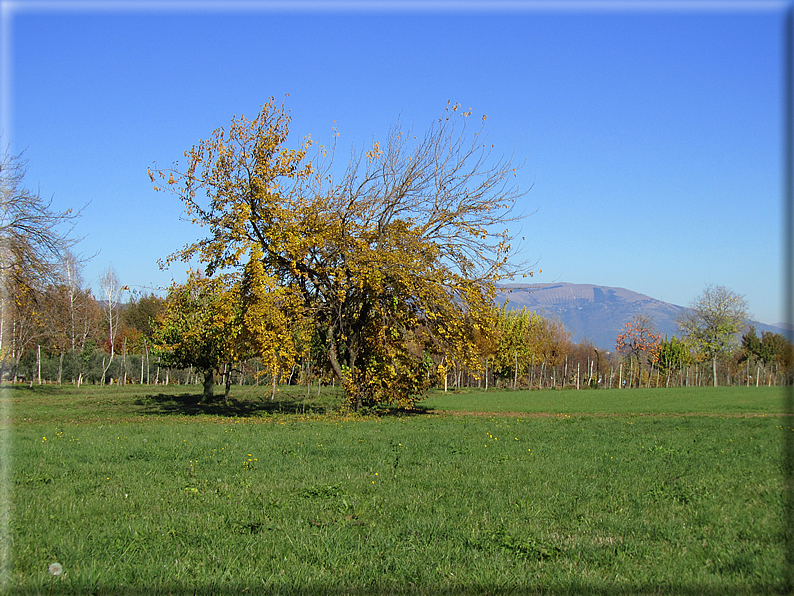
596	313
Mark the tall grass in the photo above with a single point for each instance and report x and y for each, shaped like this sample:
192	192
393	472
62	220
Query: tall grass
139	496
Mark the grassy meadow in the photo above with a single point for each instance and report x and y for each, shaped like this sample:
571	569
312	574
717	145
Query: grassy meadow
141	490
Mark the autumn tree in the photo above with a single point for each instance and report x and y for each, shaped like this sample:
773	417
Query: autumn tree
141	312
639	339
201	327
713	322
55	321
552	343
274	322
517	340
673	356
588	363
394	261
770	348
138	321
775	348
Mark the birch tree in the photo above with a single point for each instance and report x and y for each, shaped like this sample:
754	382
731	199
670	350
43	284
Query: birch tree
111	293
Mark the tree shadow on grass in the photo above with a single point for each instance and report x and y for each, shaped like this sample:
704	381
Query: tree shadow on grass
395	412
189	404
25	389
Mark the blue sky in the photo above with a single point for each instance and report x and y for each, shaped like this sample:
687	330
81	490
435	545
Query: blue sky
651	134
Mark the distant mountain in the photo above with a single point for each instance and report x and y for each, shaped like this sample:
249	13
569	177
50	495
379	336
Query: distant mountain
597	313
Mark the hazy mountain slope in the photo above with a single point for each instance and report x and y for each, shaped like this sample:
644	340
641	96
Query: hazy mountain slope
597	313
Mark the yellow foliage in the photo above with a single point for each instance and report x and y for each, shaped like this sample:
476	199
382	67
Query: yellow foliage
372	275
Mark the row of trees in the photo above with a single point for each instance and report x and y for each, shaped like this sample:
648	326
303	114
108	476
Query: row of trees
63	333
51	325
711	329
40	294
208	326
530	351
523	350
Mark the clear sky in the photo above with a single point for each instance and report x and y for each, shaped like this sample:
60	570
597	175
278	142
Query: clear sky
651	133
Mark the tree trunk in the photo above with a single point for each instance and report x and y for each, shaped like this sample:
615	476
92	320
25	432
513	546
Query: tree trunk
333	356
565	374
124	363
105	369
714	369
228	386
209	386
532	372
631	372
515	376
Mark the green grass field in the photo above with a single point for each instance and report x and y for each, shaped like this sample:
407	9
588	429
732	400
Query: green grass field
621	492
686	400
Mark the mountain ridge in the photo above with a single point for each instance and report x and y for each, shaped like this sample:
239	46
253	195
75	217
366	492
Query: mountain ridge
597	313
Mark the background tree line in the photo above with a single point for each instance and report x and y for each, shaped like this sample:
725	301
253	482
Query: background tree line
379	277
62	334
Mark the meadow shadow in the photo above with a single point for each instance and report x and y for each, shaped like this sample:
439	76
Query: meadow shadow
190	404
